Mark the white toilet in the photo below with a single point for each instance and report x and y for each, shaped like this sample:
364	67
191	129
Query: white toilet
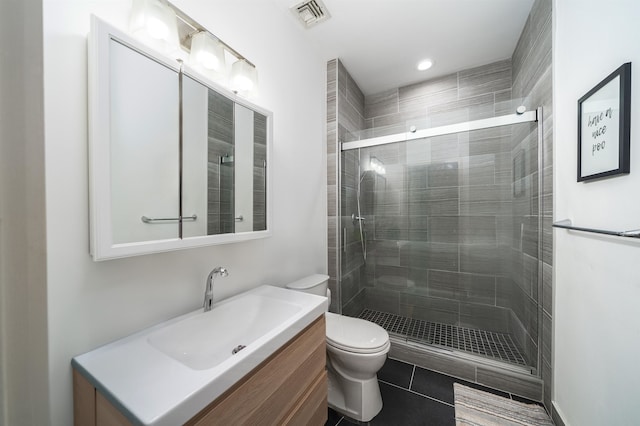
356	350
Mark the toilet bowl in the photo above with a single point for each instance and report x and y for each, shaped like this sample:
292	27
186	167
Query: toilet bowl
356	350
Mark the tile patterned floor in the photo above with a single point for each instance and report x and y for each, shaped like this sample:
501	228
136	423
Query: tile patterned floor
414	396
499	346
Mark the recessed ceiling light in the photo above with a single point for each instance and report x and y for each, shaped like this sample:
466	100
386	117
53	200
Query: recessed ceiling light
425	64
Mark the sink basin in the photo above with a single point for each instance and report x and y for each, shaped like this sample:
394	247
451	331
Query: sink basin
166	374
205	340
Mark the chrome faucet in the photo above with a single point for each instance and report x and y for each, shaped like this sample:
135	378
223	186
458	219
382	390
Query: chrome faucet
208	291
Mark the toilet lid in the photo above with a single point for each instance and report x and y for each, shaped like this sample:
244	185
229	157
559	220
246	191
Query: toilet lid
355	335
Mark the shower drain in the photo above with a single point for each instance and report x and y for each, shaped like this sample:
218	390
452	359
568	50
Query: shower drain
486	343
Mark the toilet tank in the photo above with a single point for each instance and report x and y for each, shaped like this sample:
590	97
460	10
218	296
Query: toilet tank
314	284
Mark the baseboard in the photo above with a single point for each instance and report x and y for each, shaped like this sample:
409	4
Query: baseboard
555	415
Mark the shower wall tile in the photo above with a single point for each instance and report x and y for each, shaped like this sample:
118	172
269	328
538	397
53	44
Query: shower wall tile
423	103
355	305
470	288
416	177
444	148
547	288
478	170
477	230
443	229
379	299
418	223
488	208
332	137
390	124
504	103
418	278
428	88
426	255
342	78
332	103
417	153
383	103
548	380
332	231
331	200
355	97
348	115
350	285
546	342
442	174
331	169
387	253
458	111
389	277
491	193
484	317
533	56
485	79
441	208
486	141
479	258
332	67
430	309
547	179
547	240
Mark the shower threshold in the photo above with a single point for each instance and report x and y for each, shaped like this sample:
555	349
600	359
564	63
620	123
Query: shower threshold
498	346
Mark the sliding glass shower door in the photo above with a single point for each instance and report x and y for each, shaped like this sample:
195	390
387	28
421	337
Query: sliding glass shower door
440	238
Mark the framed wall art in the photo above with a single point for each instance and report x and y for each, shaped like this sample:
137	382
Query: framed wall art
604	127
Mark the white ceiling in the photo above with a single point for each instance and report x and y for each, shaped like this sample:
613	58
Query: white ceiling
381	41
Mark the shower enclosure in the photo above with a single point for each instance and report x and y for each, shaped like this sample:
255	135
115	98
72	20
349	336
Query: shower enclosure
440	236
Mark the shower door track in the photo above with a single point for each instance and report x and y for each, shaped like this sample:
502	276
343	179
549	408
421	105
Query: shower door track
486	123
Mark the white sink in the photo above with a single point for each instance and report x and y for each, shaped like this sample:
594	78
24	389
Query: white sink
205	340
168	373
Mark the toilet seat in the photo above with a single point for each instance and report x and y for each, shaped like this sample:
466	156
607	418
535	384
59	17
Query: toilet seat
355	335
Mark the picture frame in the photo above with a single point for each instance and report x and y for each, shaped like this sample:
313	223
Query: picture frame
604	127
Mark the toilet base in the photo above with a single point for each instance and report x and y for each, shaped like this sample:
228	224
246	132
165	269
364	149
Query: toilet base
357	399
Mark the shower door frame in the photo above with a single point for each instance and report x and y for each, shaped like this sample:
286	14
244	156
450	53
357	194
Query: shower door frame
504	120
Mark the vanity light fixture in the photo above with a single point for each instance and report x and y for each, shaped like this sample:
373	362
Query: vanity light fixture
425	64
154	22
244	78
166	28
207	55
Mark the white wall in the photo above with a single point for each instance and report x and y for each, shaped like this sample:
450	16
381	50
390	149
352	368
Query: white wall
93	303
597	284
23	310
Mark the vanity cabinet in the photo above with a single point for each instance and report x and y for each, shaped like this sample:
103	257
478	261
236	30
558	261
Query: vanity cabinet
288	388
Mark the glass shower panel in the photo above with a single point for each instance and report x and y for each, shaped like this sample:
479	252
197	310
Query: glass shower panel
440	240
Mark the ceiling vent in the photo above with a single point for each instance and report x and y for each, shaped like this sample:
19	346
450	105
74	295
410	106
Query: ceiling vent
311	12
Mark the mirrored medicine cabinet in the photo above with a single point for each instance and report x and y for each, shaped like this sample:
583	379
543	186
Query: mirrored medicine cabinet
175	161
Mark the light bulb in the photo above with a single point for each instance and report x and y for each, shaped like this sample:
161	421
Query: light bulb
156	28
425	64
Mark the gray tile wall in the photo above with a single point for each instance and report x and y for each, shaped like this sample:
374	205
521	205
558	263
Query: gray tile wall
259	172
434	218
532	82
345	114
220	177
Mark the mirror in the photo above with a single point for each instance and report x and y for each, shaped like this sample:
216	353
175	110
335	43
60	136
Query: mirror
224	146
175	161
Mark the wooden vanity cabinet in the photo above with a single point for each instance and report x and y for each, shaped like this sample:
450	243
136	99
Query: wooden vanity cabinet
288	388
